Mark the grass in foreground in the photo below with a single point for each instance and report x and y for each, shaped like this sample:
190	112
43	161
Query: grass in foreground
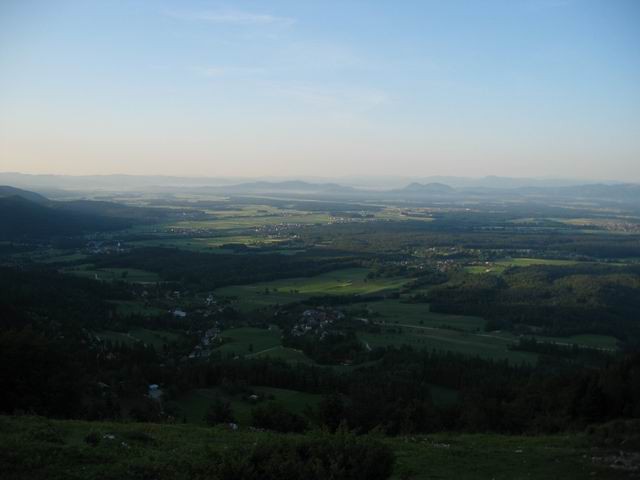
35	448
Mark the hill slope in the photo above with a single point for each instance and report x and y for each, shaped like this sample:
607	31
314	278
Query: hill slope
20	217
7	191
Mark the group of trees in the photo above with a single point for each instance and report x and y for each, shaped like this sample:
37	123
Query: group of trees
559	300
394	396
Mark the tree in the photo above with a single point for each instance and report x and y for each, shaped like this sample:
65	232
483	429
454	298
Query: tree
219	411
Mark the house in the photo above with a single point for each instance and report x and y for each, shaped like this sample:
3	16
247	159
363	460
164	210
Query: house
179	313
154	392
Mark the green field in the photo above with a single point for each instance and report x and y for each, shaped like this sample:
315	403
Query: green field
424	329
193	405
33	448
603	342
210	244
338	282
64	258
259	343
249	341
233	222
112	274
157	338
49	255
282	353
420	328
397	311
460	334
501	265
484	345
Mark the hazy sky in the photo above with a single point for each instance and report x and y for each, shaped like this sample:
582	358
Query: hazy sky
300	87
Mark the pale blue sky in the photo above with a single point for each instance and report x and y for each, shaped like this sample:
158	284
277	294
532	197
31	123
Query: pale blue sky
513	87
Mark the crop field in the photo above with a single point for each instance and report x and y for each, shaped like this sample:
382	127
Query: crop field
193	405
338	282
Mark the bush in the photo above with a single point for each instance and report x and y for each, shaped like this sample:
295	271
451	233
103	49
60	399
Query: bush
273	416
341	456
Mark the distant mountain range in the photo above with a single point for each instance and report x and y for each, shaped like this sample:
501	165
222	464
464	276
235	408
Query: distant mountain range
43	183
428	188
291	186
494	188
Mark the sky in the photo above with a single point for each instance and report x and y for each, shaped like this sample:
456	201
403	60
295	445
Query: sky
524	88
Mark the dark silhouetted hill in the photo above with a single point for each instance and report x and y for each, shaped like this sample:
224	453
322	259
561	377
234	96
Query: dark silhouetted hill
20	217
